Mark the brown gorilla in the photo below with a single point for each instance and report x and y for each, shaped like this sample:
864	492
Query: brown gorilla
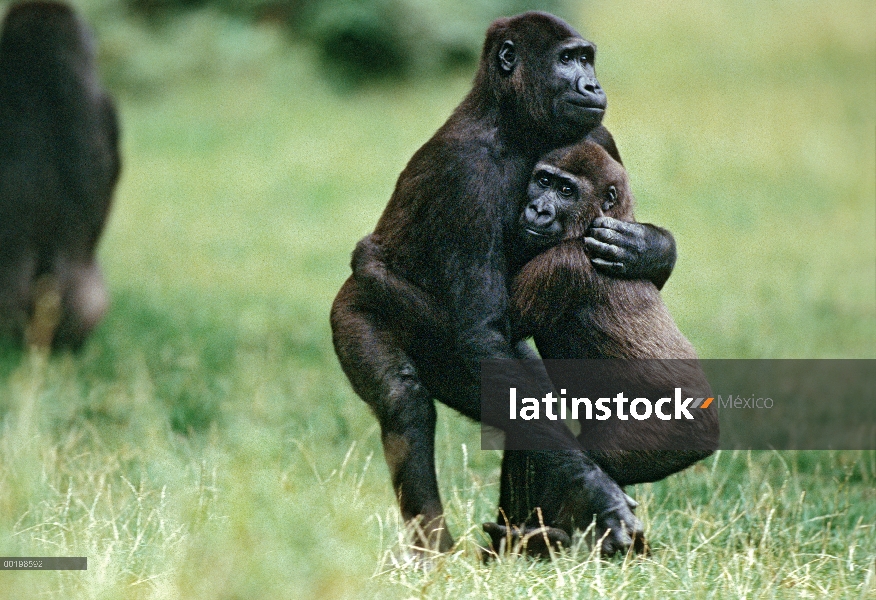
575	312
59	162
559	291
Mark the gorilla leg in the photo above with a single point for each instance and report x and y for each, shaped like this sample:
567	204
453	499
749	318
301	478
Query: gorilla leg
641	466
16	286
551	481
386	378
536	480
84	300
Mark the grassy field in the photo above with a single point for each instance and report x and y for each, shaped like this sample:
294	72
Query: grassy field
205	443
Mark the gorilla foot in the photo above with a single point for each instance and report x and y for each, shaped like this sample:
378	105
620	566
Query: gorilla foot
616	529
619	531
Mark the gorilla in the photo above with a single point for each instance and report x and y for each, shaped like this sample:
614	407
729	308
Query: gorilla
446	231
59	163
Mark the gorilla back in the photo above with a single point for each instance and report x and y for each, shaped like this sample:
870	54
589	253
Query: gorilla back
59	163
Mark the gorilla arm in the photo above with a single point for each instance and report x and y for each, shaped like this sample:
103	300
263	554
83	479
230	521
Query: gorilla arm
631	250
628	250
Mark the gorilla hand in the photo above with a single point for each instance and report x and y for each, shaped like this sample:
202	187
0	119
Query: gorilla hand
631	250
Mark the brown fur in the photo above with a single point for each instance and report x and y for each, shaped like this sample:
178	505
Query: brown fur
618	318
575	312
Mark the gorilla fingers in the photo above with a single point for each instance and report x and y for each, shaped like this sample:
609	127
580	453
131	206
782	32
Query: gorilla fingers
631	250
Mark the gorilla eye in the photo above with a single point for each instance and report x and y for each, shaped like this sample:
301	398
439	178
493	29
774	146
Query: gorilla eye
566	57
544	181
566	190
610	198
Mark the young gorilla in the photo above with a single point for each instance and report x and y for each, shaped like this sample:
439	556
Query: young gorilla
574	311
59	162
446	230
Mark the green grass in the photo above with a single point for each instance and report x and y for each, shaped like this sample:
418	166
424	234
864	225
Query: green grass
205	443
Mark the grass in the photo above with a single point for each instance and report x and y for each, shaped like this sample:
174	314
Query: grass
205	443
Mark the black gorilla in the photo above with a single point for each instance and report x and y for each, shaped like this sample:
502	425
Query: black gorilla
59	162
445	230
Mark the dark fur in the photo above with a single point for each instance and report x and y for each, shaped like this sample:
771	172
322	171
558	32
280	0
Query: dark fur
59	162
445	230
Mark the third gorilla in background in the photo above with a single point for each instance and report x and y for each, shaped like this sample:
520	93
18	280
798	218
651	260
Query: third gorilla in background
59	162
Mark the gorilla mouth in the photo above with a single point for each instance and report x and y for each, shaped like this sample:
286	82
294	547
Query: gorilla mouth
588	109
584	102
540	236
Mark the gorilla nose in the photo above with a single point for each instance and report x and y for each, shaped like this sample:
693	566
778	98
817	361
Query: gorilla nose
591	90
540	214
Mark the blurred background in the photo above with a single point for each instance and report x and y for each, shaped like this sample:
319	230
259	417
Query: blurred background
205	442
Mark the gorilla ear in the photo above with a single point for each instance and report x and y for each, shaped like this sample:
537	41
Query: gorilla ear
507	56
